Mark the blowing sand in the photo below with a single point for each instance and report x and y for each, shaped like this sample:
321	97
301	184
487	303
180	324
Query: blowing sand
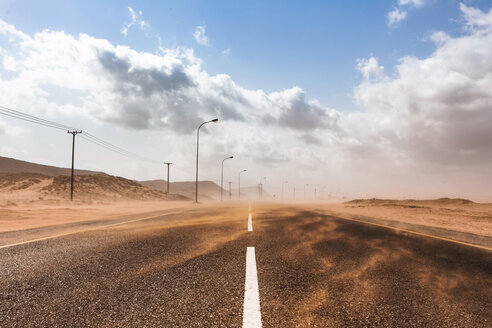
29	216
453	215
456	215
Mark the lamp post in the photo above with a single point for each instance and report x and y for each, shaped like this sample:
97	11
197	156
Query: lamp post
215	120
222	176
283	189
306	185
230	194
239	184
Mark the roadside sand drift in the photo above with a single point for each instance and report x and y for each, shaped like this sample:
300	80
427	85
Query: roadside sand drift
452	214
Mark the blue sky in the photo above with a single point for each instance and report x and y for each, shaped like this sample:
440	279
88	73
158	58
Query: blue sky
273	45
364	98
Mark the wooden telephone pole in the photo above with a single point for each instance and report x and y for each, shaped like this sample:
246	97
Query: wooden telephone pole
168	164
73	133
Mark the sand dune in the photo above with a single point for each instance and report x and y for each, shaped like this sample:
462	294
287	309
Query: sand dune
207	190
30	187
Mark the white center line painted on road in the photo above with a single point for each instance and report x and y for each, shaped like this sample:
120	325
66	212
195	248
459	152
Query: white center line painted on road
250	223
251	309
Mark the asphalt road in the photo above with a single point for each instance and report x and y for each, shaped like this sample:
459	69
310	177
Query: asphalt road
187	269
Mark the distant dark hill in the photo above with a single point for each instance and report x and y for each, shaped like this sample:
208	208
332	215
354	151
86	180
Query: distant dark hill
10	165
206	189
452	201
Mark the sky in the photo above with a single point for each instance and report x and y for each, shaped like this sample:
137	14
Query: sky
351	98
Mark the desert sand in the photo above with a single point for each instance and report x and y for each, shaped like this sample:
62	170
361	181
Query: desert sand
465	217
35	215
33	200
451	214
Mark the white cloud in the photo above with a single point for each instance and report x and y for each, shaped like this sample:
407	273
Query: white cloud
139	90
11	32
226	52
370	68
200	36
399	14
438	108
416	3
439	37
475	18
396	16
136	20
10	130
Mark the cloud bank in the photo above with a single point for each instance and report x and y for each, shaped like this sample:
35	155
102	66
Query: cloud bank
438	108
434	111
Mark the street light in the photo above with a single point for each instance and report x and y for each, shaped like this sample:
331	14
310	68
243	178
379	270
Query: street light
283	189
215	120
306	185
239	183
222	175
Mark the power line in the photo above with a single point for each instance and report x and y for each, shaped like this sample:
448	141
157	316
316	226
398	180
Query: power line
84	135
33	119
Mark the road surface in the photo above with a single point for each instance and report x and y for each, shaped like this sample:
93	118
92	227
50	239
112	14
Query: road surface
205	266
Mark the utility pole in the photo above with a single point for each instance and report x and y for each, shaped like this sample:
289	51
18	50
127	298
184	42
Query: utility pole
167	163
73	133
230	194
294	193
